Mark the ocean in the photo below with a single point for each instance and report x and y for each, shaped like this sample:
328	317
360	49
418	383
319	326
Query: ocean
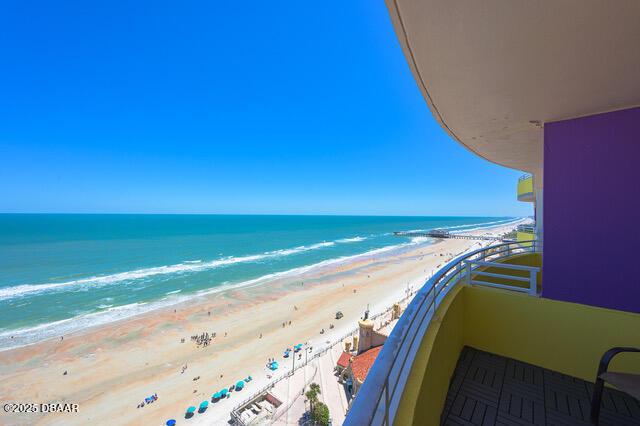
60	273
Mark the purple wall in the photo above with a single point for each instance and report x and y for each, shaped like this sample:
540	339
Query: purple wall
592	210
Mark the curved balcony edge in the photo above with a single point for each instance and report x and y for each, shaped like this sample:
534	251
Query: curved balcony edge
378	400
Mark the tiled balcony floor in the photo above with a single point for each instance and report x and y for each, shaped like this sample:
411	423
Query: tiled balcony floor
488	389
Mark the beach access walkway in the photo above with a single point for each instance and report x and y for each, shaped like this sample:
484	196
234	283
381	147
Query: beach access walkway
291	391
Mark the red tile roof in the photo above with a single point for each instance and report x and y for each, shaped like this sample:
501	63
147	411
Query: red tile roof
362	363
343	361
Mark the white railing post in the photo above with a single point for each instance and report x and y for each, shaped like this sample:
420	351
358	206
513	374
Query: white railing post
533	284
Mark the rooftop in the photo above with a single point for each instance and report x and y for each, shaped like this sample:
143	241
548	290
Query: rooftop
343	361
362	363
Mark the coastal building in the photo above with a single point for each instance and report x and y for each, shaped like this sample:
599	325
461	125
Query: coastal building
257	410
353	365
368	337
357	368
514	334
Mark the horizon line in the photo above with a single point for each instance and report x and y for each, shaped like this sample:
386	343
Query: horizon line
252	214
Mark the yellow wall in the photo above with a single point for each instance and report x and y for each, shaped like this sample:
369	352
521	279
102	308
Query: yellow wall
438	354
565	337
525	236
525	188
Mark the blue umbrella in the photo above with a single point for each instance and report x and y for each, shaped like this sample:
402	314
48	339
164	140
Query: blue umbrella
191	409
171	422
216	395
239	385
224	392
204	405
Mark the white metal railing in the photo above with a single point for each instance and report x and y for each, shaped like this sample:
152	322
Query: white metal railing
379	397
525	176
526	228
531	280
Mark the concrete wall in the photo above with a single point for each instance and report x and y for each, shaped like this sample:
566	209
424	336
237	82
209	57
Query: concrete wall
591	210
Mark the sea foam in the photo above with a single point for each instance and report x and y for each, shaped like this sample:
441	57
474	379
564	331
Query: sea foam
189	266
31	335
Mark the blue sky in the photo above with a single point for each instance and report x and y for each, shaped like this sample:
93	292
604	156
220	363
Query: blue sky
225	107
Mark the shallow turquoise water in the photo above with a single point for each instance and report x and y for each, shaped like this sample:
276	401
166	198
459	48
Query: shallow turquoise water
59	273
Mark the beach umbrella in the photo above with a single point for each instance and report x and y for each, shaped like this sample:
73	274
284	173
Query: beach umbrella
224	392
204	405
191	409
216	395
171	422
240	384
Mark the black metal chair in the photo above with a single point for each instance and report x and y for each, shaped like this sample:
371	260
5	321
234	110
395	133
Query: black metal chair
625	382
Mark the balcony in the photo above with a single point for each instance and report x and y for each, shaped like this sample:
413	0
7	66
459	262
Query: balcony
525	234
525	188
488	301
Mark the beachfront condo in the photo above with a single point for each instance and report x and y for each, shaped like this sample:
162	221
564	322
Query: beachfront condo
527	333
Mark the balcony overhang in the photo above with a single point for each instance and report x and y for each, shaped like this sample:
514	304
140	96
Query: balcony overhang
494	72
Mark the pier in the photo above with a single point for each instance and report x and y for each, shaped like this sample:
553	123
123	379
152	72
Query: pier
440	233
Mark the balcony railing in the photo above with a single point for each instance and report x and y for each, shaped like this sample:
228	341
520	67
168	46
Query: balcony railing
378	400
529	229
525	176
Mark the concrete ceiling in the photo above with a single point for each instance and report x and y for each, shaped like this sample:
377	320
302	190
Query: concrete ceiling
494	71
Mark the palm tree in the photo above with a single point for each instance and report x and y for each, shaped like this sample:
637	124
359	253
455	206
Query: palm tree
315	387
312	394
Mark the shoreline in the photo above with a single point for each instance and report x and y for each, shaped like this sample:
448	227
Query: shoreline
185	300
112	367
87	322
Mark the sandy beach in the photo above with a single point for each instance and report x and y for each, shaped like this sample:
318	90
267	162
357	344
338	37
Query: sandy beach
111	369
